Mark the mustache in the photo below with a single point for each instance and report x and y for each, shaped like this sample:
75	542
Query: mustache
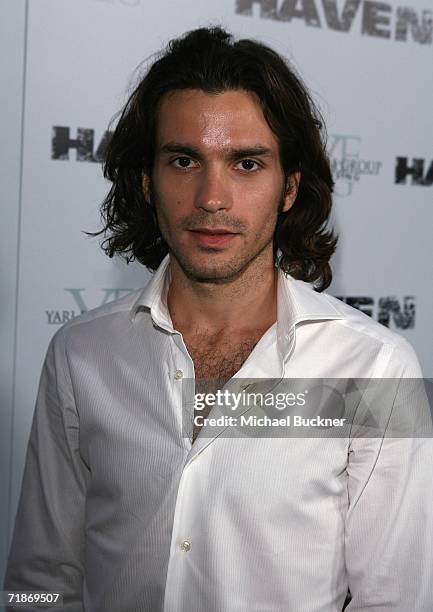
198	220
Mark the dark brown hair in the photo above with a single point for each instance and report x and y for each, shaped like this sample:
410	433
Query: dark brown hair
210	60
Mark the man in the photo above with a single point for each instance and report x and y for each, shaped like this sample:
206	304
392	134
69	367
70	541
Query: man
130	502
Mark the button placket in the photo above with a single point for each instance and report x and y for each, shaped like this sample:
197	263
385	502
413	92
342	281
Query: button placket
185	546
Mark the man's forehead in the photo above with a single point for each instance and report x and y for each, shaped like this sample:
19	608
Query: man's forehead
227	120
248	148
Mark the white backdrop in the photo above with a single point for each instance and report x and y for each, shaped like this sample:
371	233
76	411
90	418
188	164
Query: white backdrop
70	64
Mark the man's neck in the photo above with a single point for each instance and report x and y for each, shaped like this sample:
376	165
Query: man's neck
246	303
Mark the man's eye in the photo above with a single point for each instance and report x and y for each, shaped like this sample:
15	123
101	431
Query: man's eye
182	162
248	165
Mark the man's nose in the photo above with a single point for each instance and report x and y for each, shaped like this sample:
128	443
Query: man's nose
213	191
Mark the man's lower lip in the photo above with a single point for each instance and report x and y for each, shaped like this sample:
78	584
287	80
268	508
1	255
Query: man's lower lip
212	239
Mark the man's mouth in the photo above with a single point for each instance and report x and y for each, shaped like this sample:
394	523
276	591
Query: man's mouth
212	236
212	230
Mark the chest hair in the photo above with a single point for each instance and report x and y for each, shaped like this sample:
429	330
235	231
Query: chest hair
216	361
220	360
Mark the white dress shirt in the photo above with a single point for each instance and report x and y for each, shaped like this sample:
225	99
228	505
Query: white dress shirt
122	513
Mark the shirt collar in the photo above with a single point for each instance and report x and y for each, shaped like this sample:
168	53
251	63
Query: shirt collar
154	297
297	302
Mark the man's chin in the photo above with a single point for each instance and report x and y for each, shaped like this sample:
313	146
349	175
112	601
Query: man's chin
219	267
206	272
212	275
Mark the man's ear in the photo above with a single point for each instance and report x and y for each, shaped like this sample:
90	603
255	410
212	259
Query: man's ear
291	192
145	183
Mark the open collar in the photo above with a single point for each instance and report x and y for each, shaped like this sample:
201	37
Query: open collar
297	302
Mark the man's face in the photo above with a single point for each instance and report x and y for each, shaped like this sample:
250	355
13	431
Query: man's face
217	182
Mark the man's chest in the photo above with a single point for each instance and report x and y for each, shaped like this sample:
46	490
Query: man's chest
216	360
220	358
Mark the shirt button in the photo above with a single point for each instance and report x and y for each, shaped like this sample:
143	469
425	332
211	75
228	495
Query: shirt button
178	374
185	546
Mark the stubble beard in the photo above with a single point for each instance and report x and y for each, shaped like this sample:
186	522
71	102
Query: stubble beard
218	272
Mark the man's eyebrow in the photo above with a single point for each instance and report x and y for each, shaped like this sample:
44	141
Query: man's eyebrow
177	147
232	154
255	151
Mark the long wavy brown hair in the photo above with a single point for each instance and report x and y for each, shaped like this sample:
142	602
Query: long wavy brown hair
210	60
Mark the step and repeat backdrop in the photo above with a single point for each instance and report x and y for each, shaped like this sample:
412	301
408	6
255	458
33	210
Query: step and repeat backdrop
70	66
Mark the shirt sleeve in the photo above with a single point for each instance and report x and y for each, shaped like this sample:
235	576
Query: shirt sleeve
389	523
47	549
